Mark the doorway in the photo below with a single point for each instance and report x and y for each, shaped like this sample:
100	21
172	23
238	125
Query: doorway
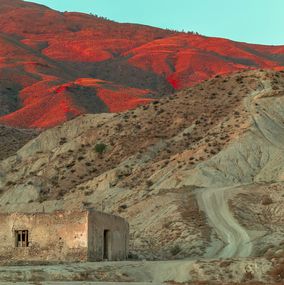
106	246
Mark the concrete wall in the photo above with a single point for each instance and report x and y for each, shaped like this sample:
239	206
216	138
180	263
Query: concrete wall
59	236
118	236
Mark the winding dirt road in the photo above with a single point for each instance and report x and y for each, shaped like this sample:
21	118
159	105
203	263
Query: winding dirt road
235	240
232	239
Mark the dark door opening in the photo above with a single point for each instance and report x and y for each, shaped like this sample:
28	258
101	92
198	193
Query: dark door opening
106	245
22	238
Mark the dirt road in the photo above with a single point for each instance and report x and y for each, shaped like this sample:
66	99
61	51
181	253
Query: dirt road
235	241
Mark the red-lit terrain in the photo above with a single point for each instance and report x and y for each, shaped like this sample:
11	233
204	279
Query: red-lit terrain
55	66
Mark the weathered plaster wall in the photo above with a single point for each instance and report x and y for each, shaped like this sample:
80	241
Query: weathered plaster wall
118	236
63	236
58	236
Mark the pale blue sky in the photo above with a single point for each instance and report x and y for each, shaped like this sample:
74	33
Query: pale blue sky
254	21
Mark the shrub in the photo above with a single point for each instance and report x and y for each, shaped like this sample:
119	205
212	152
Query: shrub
175	250
149	183
62	141
266	200
10	183
100	148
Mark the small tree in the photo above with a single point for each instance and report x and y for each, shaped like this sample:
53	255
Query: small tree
100	148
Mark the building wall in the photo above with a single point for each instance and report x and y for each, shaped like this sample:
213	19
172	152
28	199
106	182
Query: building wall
118	236
64	236
59	236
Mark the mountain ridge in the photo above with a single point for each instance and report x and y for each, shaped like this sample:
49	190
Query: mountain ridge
138	63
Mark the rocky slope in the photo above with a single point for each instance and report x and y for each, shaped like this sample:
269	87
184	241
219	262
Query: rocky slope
13	139
158	164
69	64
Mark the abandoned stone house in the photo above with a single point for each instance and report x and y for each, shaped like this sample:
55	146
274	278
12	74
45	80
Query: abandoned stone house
85	235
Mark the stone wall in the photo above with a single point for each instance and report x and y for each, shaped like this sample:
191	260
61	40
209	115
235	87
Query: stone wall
117	237
66	236
58	236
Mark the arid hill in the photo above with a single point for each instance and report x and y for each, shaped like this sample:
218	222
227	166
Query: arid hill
13	139
167	166
68	64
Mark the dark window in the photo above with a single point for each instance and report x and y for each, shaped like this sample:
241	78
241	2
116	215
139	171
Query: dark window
22	238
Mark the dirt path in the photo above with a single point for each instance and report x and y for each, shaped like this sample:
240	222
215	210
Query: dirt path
232	239
235	239
137	272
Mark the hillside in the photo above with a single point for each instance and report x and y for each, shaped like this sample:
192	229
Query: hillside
13	139
177	169
69	64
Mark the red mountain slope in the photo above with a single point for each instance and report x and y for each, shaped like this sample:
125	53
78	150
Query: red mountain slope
45	104
188	59
71	63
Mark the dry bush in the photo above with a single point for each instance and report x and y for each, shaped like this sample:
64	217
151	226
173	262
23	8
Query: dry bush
266	200
277	273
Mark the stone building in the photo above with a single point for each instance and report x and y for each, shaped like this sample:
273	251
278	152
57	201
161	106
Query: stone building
85	235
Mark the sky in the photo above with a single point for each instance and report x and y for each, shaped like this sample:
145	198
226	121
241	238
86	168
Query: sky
253	21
